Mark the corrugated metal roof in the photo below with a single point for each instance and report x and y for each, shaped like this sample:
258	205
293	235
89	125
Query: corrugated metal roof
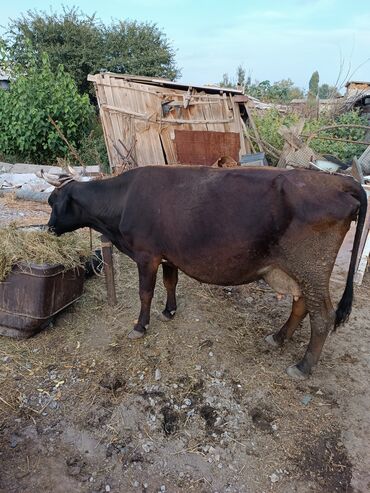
158	81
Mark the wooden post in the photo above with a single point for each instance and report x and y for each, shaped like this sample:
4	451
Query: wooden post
108	270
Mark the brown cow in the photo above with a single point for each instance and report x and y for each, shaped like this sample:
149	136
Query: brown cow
227	227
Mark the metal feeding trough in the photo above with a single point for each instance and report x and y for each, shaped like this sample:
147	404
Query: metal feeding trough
32	295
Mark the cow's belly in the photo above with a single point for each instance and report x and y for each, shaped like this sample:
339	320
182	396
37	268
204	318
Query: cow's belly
236	270
223	270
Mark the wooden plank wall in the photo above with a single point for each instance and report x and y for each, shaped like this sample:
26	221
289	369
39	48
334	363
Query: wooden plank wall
133	120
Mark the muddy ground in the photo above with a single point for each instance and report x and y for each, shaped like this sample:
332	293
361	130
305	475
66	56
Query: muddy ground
202	404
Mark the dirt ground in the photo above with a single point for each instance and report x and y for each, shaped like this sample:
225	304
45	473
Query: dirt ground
201	404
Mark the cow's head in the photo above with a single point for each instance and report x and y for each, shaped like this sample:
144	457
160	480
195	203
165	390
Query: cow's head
66	214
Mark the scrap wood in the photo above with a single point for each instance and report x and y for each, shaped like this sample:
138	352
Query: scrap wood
356	171
254	127
127	159
292	141
248	136
129	151
364	161
301	158
362	267
364	247
269	147
291	134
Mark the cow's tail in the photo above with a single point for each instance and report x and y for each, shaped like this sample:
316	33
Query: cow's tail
345	305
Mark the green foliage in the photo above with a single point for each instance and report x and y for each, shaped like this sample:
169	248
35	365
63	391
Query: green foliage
326	91
270	121
313	85
25	130
84	45
282	91
92	149
343	150
139	48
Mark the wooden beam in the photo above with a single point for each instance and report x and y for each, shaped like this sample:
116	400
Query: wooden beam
254	127
363	262
240	98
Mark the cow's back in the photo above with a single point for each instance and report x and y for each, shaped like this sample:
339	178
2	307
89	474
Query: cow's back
195	216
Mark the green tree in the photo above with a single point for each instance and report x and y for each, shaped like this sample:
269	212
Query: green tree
83	45
343	150
326	91
138	48
282	91
227	82
240	81
25	129
313	85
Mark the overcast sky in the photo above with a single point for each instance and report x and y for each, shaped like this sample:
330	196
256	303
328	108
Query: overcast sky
272	39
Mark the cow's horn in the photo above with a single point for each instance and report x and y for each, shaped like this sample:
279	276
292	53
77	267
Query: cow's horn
71	170
52	179
47	177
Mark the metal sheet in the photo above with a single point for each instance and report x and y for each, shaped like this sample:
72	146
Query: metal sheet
205	147
33	294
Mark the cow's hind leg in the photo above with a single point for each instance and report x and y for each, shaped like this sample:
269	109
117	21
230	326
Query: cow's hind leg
147	278
170	278
298	313
322	321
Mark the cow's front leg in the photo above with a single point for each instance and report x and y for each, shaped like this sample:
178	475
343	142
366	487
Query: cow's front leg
147	277
170	278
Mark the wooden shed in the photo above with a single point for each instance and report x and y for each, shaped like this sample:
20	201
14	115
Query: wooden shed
151	121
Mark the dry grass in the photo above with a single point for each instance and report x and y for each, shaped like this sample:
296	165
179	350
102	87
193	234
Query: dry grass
39	247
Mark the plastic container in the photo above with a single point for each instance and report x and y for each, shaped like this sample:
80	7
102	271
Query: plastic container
257	159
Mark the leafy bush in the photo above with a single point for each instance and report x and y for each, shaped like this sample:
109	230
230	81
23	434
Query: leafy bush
92	148
342	150
25	129
268	124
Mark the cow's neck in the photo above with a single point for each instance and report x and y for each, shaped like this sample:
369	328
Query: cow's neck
100	209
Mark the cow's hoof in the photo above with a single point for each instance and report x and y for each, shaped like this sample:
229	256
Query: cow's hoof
270	339
294	372
136	334
166	315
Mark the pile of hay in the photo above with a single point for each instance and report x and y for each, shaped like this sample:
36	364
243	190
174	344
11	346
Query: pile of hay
40	247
